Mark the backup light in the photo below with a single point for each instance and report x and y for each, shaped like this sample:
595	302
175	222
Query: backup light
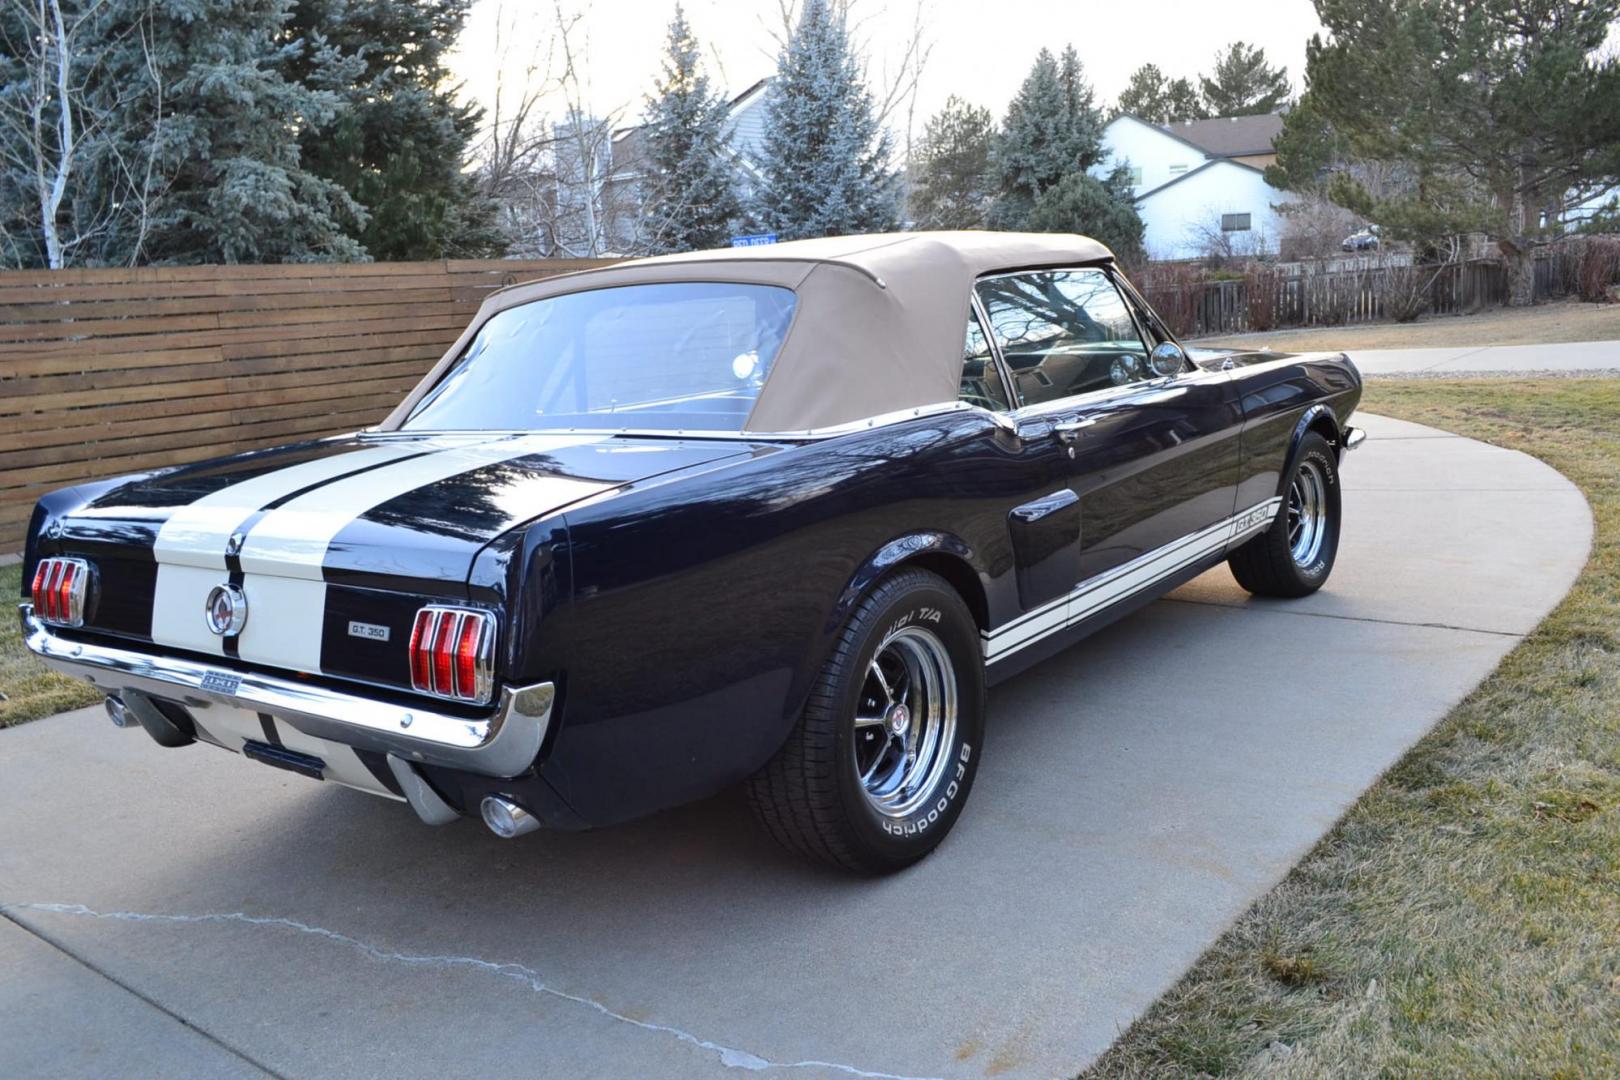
59	590
452	653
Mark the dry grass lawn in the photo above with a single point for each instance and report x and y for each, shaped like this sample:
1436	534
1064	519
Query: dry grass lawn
1544	324
1463	919
29	689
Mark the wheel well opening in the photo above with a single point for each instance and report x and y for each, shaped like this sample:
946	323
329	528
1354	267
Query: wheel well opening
1324	426
961	577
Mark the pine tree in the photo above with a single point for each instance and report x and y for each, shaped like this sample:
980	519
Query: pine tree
194	151
955	176
1053	127
1243	83
238	190
690	196
1101	209
1152	97
1083	117
825	158
1495	116
400	140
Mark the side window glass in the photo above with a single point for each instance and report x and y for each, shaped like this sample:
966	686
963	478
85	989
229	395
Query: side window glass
981	379
1063	332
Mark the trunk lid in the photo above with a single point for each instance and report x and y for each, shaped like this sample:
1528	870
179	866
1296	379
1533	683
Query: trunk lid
309	532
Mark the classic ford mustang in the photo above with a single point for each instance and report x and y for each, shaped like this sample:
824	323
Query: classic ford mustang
775	515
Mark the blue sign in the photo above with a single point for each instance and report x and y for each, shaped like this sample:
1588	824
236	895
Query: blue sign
754	240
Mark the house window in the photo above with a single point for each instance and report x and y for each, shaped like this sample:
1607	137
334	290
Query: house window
1177	170
1134	175
1235	223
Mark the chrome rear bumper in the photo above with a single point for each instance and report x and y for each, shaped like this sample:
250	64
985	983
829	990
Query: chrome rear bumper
504	744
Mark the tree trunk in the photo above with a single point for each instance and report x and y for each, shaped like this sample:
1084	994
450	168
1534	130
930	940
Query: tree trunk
1521	273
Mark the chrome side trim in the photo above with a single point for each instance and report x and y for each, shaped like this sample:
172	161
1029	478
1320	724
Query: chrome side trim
504	744
803	435
1122	582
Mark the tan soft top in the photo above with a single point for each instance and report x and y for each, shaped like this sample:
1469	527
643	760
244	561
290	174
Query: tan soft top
879	321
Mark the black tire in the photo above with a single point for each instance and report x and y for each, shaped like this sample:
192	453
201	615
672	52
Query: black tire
812	796
1275	563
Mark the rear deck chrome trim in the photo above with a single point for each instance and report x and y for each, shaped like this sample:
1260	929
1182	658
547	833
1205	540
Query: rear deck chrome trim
504	744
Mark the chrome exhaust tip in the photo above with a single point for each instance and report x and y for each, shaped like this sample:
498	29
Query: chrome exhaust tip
119	713
506	818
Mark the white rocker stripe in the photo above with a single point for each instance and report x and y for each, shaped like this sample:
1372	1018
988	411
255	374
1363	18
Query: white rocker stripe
1095	594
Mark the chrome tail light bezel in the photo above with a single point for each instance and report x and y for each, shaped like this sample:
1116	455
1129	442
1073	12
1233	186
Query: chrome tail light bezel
52	575
442	672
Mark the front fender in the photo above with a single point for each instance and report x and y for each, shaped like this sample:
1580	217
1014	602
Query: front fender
1318	417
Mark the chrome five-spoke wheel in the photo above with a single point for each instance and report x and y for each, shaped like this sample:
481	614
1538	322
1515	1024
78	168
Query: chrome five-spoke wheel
905	723
1307	513
881	760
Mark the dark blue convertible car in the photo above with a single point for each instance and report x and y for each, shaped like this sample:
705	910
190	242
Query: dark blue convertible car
773	516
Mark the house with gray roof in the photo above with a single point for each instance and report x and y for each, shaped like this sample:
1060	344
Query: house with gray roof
1200	185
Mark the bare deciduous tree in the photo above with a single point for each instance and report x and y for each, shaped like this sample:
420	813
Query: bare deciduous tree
1314	227
546	155
1219	245
54	117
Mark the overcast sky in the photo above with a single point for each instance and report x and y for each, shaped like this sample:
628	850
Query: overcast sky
981	50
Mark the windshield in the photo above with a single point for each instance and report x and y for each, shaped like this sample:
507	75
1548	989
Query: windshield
681	356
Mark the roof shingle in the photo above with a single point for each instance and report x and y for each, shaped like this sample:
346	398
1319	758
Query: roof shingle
1230	136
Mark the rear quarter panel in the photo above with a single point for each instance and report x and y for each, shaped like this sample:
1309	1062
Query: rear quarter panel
702	609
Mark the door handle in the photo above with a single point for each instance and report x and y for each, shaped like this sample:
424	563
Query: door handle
1068	431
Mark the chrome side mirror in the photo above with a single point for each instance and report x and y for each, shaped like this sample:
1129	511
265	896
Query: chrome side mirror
1167	359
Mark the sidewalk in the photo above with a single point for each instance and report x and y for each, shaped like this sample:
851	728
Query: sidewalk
1491	359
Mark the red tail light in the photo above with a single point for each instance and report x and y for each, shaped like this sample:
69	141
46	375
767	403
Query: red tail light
468	639
452	653
59	590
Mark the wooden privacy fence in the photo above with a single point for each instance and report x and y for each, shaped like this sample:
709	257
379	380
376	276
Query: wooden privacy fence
112	371
1266	300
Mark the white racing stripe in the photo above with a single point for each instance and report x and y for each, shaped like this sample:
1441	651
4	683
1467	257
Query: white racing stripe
1095	594
231	728
291	540
196	535
190	546
284	553
178	601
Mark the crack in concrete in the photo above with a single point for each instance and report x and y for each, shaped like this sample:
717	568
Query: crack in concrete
145	999
729	1056
1223	605
1459	356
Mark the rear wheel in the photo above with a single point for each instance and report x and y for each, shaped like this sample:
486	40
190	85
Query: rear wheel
1295	555
879	764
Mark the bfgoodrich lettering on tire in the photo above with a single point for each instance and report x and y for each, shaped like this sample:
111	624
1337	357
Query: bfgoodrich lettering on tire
876	770
1295	556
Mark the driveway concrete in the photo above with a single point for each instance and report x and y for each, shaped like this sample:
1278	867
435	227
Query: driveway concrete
1490	359
1137	794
